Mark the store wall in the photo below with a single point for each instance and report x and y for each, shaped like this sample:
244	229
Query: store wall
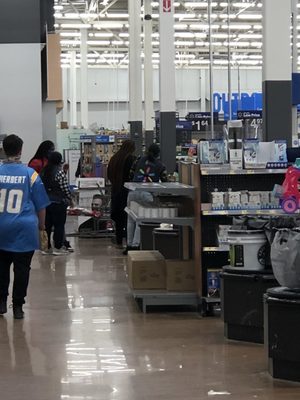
20	94
108	91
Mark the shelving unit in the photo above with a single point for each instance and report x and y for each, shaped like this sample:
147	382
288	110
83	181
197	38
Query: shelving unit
176	190
222	178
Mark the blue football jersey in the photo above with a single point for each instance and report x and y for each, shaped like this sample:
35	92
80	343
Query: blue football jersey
22	195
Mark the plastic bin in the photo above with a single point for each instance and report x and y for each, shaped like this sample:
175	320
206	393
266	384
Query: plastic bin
168	242
147	235
242	302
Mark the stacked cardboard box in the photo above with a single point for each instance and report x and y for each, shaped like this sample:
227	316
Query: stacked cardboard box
149	270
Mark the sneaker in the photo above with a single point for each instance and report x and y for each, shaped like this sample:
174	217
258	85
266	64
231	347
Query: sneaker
130	248
60	252
18	312
48	252
3	307
68	247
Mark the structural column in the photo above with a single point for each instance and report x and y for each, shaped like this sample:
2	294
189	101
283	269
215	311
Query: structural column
22	30
84	80
167	85
277	70
135	74
73	89
148	74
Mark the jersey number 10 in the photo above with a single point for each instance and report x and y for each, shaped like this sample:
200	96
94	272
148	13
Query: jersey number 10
11	201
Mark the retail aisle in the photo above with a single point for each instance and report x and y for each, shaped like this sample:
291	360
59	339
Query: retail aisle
83	338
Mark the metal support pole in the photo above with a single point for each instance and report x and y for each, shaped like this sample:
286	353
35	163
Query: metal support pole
84	80
135	74
229	65
295	65
73	89
211	66
148	74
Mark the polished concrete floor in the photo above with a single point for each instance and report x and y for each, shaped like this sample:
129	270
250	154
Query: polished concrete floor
83	338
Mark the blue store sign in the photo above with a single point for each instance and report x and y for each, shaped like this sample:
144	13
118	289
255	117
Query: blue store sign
247	102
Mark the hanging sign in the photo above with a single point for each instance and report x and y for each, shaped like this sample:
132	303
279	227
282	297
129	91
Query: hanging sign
167	4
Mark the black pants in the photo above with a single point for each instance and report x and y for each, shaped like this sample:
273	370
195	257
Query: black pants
21	262
118	215
56	215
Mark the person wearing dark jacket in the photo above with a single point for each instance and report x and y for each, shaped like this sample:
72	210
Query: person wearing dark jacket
40	159
118	173
57	188
146	170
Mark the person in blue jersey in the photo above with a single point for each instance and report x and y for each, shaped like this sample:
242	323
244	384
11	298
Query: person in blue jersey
23	202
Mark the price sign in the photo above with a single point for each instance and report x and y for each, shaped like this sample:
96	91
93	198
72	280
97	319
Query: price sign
253	117
201	120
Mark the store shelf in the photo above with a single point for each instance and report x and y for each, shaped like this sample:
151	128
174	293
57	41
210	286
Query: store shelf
245	212
164	298
180	221
226	171
215	249
173	188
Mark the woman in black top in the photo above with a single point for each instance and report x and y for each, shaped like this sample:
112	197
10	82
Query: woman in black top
118	173
57	188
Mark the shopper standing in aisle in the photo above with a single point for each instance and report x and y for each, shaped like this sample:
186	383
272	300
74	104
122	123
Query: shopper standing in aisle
40	159
147	169
23	201
57	187
118	173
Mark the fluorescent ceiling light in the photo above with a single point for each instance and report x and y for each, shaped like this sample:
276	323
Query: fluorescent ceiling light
72	16
221	35
221	62
89	16
101	34
185	16
198	4
199	27
250	16
155	43
248	62
237	44
75	26
58	8
184	34
243	5
180	26
124	34
58	15
256	44
70	42
257	27
184	43
250	36
200	35
117	15
200	62
200	44
70	34
108	25
225	16
189	56
117	42
98	42
114	55
237	27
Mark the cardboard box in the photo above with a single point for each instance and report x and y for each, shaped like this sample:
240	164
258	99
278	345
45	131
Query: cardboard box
146	270
181	276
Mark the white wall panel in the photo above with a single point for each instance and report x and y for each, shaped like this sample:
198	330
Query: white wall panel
20	94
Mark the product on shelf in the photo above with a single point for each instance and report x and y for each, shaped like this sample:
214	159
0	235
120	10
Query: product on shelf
218	200
213	282
234	200
213	152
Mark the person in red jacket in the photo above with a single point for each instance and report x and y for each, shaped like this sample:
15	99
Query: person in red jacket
40	159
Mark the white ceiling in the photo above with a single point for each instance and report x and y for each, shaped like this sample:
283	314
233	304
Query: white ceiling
107	23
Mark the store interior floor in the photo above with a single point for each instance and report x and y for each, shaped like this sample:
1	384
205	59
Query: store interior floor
84	338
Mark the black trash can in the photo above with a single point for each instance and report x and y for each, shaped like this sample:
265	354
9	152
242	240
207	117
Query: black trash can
282	332
147	235
242	302
168	242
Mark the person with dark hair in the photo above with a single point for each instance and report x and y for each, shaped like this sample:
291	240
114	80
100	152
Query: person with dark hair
40	159
118	173
146	169
57	187
23	200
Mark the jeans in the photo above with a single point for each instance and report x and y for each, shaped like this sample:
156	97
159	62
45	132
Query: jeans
21	262
133	229
56	215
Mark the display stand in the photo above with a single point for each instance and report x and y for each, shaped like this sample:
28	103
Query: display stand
185	194
214	256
